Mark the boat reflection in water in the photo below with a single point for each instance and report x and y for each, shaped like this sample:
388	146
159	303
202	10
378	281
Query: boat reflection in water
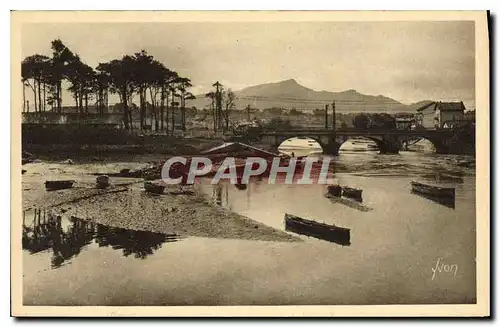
447	202
354	204
318	230
359	145
44	231
441	195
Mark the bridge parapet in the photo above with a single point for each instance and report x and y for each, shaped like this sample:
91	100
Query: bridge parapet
389	141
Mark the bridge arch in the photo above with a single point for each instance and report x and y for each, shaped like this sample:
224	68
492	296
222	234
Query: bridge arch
359	143
302	145
423	144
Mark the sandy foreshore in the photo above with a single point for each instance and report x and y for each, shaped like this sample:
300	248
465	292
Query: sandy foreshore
125	204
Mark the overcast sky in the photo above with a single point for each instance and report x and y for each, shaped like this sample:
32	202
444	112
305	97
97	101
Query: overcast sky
407	61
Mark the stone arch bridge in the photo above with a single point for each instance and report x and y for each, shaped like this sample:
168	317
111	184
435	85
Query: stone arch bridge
388	141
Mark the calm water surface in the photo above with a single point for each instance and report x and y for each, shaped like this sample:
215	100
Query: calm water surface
397	240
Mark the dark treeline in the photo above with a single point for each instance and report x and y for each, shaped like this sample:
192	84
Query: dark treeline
161	91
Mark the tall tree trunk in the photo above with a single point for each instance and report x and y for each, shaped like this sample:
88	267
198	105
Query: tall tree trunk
125	108
183	112
154	108
98	96
162	107
151	110
39	96
131	119
141	118
106	102
44	98
76	101
141	107
24	97
102	98
214	114
59	95
167	112
173	114
86	102
80	95
98	100
34	93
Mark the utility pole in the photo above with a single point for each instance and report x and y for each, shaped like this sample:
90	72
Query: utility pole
218	104
334	118
326	116
214	114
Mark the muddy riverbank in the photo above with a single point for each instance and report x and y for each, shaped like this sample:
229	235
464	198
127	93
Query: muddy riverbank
126	205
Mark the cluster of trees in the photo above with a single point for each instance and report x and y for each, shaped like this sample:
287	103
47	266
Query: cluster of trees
377	120
222	102
139	74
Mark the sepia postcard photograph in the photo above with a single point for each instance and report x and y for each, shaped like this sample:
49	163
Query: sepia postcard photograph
250	163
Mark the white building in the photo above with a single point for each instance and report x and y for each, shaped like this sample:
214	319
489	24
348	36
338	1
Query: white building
437	115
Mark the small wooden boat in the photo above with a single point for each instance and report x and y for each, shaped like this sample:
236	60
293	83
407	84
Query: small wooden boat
352	193
334	190
102	181
125	172
315	229
154	188
58	185
433	191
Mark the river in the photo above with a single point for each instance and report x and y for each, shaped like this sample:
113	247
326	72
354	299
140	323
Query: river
402	250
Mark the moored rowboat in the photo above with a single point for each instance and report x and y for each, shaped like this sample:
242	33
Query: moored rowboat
352	193
316	229
334	190
155	188
433	191
102	181
58	185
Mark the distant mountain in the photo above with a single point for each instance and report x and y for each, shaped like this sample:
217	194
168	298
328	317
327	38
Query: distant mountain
290	94
417	105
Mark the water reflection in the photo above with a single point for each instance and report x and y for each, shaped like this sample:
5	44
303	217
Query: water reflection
44	231
218	190
450	203
446	177
139	243
349	203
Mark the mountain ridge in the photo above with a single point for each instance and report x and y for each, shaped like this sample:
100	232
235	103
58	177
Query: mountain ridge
290	94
